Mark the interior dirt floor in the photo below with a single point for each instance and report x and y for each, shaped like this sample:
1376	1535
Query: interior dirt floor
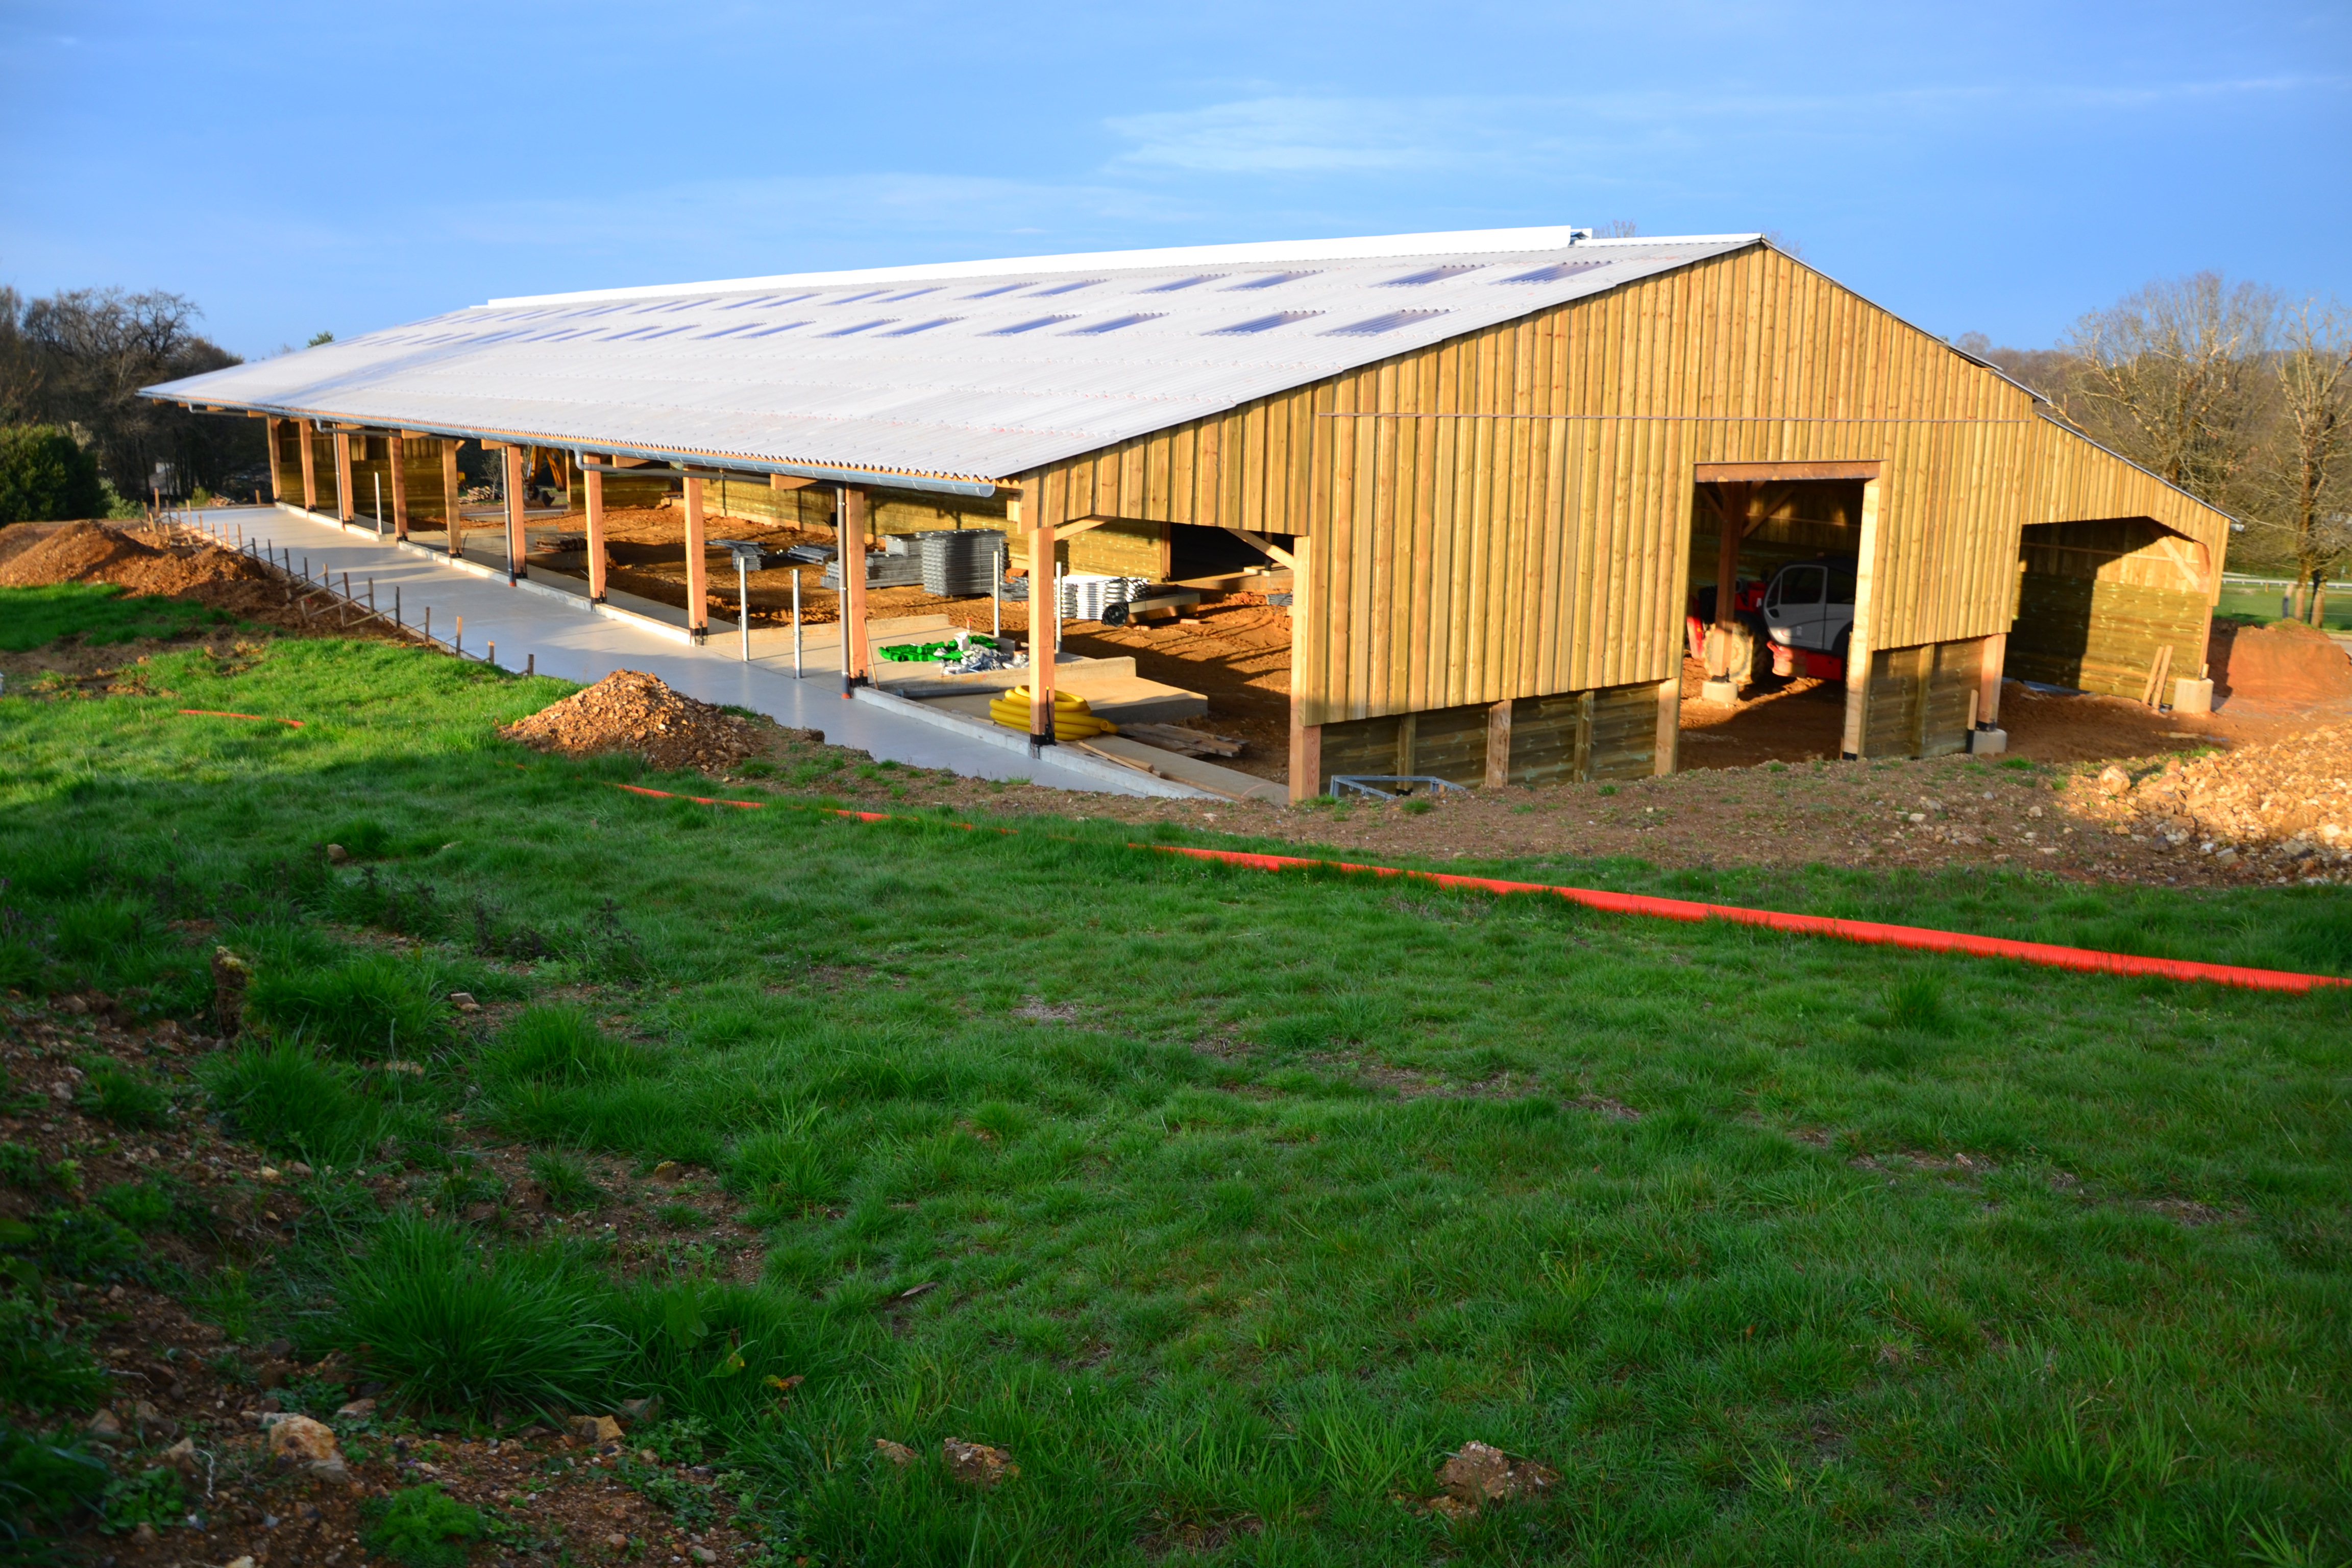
1234	649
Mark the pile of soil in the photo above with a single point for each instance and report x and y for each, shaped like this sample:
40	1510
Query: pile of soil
164	567
2285	806
629	711
2286	666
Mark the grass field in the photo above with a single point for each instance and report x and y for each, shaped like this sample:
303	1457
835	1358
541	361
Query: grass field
2262	605
99	613
1246	1197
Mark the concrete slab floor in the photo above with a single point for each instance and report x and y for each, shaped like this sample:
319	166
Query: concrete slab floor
568	642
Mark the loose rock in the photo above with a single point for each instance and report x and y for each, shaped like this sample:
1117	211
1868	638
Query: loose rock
898	1453
1482	1474
596	1428
977	1464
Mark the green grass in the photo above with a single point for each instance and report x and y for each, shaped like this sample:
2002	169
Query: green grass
1776	1249
98	613
2258	604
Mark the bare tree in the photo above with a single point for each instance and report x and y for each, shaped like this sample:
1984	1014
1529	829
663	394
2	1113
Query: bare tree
2300	485
2173	377
90	350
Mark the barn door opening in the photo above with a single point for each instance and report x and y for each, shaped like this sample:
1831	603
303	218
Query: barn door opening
1768	685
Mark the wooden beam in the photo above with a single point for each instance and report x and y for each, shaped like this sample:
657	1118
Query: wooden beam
514	513
398	449
343	475
276	486
596	481
1668	754
1994	656
309	467
697	606
789	483
849	546
1760	473
453	511
1263	546
1734	506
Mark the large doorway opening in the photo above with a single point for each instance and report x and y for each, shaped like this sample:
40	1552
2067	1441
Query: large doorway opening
1764	680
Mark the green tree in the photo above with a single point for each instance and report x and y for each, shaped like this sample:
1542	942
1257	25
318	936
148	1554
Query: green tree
45	474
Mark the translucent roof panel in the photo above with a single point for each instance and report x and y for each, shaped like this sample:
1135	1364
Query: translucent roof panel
962	370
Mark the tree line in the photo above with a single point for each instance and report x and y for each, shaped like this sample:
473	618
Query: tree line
2237	394
74	362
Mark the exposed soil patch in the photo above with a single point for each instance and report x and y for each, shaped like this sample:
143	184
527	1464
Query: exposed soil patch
629	711
2284	668
554	1496
164	563
2281	809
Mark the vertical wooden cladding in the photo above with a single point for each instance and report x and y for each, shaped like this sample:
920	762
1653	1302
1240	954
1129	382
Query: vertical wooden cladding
1485	534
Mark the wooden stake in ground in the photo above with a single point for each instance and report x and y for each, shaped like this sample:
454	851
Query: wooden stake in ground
697	609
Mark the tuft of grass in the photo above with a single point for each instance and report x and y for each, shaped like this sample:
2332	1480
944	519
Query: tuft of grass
45	1488
41	1369
122	1096
422	1526
96	614
373	1004
564	1180
289	1100
1917	1002
561	1047
455	1330
23	1167
138	1204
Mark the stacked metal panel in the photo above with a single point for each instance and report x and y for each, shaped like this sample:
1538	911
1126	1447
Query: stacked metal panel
961	561
1084	594
882	571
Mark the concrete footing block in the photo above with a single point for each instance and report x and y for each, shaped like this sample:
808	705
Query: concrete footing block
1988	743
1723	691
2192	696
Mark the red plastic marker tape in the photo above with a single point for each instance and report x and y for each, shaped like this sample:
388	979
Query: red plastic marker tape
1921	937
256	718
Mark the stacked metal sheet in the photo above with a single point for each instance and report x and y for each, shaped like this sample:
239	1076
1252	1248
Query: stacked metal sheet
1084	594
961	561
809	554
882	571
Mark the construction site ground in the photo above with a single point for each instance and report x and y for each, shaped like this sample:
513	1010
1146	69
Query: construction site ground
1759	784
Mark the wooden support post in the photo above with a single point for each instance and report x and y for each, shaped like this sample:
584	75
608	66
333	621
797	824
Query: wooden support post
1498	744
1306	740
1728	640
1668	753
1044	613
343	475
1992	658
595	479
276	486
309	467
398	451
1408	744
849	539
698	604
453	511
515	478
1865	607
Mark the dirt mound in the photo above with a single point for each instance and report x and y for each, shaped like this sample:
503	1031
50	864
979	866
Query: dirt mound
2288	804
629	711
2285	665
78	553
94	552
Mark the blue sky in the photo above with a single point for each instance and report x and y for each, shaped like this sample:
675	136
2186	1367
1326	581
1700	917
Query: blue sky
1988	166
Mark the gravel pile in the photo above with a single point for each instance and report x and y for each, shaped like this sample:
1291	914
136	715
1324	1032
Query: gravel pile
2284	807
629	711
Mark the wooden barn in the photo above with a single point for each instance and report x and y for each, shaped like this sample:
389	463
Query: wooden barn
1494	465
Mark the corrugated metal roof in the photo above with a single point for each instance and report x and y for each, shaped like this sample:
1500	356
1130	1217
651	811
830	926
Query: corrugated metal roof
974	371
